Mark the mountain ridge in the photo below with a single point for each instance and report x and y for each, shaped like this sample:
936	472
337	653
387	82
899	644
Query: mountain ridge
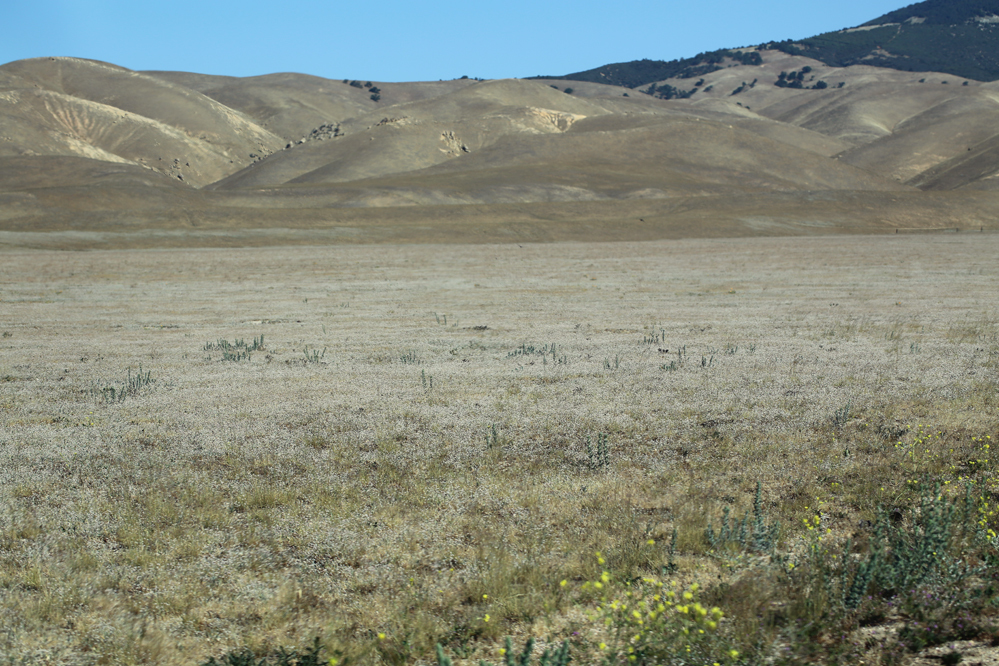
959	37
742	141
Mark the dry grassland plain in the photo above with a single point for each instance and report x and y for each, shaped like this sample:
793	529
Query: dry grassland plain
416	455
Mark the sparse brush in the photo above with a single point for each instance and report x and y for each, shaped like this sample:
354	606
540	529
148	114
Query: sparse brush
315	356
237	350
933	543
544	351
235	355
754	533
654	338
671	565
932	569
442	320
550	657
493	439
842	415
112	393
673	366
598	458
282	657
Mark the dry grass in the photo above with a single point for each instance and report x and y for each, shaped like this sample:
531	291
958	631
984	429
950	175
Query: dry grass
423	474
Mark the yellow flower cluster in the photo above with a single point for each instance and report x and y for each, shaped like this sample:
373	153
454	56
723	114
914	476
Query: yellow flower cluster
651	616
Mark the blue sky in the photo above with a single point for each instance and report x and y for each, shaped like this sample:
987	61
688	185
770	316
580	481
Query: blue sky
396	40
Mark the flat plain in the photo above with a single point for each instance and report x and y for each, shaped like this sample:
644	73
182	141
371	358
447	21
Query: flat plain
429	439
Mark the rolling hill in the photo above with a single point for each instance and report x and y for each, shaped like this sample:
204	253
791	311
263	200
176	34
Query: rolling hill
745	141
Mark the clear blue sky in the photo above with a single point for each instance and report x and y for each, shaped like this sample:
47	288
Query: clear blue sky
392	40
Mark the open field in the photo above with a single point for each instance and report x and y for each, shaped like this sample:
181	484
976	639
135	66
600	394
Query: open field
432	438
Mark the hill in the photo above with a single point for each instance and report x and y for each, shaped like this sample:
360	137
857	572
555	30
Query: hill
959	37
762	141
642	72
293	105
75	107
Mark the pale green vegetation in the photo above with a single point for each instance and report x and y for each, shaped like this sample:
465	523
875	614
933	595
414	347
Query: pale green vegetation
785	444
237	350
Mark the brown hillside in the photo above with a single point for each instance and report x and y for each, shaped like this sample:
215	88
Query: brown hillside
920	144
40	172
68	106
975	168
678	156
293	105
109	153
420	134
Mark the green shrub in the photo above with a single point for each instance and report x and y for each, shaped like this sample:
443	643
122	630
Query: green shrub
933	570
753	533
112	393
237	350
